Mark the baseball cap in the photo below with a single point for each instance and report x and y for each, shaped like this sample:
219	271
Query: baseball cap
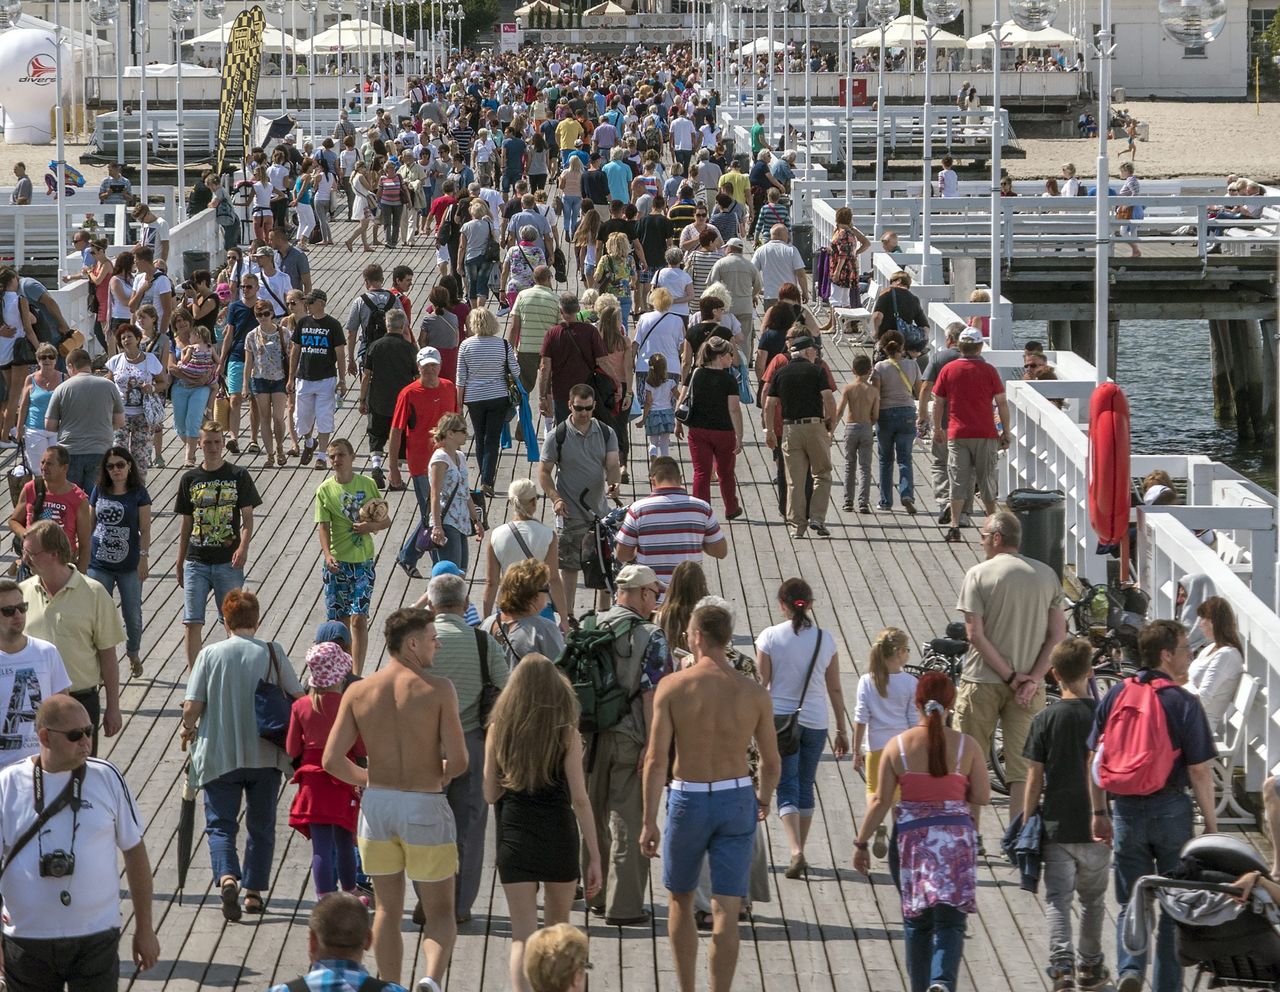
317	296
801	343
971	335
428	356
446	567
736	243
636	577
263	252
335	631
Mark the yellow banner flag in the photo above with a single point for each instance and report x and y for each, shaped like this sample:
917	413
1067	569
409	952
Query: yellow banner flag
241	66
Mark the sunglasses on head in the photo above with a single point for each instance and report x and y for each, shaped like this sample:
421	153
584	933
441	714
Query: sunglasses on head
9	611
79	734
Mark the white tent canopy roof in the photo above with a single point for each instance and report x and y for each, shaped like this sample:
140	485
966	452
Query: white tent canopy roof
271	39
74	39
170	69
356	33
906	31
1012	36
538	7
760	46
606	9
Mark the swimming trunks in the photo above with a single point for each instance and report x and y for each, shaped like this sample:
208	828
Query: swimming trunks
410	832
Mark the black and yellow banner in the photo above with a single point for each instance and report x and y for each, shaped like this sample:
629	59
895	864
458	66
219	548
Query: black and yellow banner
241	66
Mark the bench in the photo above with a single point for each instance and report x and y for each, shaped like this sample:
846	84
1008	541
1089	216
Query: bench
1231	754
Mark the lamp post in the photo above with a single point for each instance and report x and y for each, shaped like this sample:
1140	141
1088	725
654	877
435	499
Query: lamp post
58	122
937	12
841	9
103	13
811	7
336	7
309	8
180	13
277	7
880	13
144	149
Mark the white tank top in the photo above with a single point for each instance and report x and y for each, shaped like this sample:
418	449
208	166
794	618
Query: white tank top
507	549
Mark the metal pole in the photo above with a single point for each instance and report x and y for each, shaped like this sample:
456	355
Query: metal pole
808	95
283	96
311	82
786	77
847	69
143	138
769	76
182	157
60	124
879	229
995	330
926	192
1102	228
119	60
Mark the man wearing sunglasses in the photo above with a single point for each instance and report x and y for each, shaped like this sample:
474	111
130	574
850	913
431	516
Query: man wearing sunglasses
31	671
61	888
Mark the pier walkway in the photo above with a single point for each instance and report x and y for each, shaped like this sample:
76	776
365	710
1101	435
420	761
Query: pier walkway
833	931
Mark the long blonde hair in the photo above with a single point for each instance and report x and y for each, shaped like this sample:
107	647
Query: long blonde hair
529	723
888	643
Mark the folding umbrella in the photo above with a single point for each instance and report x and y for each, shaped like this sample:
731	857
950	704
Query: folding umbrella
186	825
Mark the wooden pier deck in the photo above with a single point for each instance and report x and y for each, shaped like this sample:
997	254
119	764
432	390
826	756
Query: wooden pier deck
833	931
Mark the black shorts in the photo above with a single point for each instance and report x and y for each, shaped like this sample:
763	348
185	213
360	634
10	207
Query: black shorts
88	964
378	430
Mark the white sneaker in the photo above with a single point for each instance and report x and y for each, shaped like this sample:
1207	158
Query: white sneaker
427	985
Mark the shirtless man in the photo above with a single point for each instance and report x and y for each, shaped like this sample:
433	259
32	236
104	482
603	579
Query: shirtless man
711	713
412	732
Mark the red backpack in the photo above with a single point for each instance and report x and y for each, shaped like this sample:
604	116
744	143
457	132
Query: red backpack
1136	755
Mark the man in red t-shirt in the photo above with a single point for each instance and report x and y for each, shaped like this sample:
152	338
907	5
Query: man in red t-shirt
439	206
570	352
969	386
419	408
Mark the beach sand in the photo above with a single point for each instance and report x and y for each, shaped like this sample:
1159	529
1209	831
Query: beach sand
1186	139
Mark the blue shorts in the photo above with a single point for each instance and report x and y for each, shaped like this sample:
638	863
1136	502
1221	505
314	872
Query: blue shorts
259	386
235	377
199	579
348	591
720	826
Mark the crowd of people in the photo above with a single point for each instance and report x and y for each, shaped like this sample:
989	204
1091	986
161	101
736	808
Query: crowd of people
607	717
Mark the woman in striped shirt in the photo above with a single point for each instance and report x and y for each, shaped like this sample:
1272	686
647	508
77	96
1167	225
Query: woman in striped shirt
699	262
391	202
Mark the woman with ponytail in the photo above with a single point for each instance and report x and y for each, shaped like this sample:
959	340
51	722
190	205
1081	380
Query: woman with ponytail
798	664
885	707
942	775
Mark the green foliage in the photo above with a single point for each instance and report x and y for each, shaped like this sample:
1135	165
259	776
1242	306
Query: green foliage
481	15
1263	52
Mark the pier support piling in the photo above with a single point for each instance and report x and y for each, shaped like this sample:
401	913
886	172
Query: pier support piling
1237	352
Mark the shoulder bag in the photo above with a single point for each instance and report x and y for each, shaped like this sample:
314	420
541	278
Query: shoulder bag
914	337
608	395
271	704
787	726
685	406
489	692
422	540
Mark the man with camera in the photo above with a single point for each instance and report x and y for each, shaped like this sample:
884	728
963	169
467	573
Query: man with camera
62	817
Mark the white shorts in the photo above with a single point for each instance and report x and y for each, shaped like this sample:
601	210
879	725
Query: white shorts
315	405
442	254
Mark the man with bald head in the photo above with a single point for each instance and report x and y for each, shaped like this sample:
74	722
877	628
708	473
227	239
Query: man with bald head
778	261
61	884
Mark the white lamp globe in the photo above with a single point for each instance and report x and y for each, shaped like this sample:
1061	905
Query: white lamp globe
841	8
941	11
275	6
881	12
309	6
181	11
1033	15
814	6
12	10
103	12
213	8
1192	23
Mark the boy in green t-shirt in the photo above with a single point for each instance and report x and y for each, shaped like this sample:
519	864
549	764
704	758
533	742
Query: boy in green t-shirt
346	542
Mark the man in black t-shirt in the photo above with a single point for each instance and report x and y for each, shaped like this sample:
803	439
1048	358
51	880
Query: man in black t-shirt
653	231
316	367
215	501
617	224
389	366
808	410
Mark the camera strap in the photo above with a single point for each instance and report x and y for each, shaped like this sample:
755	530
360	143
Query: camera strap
69	795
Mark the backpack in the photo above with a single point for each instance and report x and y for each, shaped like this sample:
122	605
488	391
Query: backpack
588	663
448	230
653	136
377	325
1136	757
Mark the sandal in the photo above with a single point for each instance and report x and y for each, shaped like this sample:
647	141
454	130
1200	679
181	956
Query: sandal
157	461
135	666
253	449
231	900
254	903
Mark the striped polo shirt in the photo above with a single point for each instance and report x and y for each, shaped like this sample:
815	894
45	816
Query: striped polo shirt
538	308
667	528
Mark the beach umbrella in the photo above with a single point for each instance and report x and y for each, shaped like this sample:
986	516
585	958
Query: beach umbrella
906	31
760	46
186	825
1109	469
170	69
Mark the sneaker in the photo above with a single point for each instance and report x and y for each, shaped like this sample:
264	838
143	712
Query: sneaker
954	536
819	528
1062	976
847	506
379	479
944	517
427	985
880	845
233	446
910	506
799	533
1092	977
308	451
1130	981
864	507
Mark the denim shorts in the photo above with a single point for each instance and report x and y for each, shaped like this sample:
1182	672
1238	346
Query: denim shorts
235	377
349	590
199	579
718	825
259	387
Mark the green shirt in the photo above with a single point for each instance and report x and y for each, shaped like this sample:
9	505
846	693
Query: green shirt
539	310
339	507
458	660
757	139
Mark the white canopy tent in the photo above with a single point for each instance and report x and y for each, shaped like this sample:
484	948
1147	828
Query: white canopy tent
1012	36
356	33
760	46
170	69
907	31
537	7
271	40
606	9
76	40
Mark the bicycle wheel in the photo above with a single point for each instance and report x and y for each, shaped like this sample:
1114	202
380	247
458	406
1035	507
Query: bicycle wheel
995	762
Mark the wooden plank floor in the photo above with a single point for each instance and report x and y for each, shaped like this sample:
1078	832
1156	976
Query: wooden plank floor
834	930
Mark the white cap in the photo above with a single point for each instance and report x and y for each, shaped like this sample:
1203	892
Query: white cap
971	335
428	356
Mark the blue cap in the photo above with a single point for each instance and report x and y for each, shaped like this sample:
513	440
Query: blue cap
335	631
446	567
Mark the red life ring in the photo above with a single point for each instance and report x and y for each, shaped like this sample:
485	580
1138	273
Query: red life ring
1109	473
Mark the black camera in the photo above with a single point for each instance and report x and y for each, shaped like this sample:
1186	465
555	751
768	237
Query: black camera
57	864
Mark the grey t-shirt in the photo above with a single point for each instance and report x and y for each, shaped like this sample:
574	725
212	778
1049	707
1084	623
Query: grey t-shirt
580	466
532	634
295	265
84	406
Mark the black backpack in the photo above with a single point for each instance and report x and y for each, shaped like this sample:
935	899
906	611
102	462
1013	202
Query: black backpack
377	324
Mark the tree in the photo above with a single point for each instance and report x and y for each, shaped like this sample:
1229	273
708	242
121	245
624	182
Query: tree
1264	50
480	18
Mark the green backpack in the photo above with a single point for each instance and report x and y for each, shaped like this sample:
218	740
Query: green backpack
587	661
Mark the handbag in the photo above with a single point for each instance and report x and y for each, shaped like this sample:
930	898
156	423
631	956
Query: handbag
685	406
23	353
513	384
422	539
787	726
561	266
605	386
489	692
491	254
153	410
271	704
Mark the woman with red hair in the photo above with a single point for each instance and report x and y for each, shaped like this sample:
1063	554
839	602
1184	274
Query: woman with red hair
942	774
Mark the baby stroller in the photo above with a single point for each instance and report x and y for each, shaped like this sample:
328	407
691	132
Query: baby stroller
1235	944
600	566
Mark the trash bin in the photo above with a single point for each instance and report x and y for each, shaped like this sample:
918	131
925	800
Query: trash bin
193	260
1042	514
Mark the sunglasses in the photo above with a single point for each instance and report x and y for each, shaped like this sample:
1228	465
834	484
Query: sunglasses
584	409
46	358
9	611
117	466
79	734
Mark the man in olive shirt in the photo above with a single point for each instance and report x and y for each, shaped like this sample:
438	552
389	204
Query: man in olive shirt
459	659
536	311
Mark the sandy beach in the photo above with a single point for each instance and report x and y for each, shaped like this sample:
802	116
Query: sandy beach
1197	139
